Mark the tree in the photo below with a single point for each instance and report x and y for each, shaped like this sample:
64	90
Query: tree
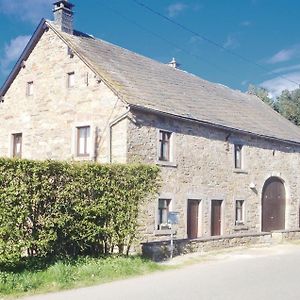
261	93
288	105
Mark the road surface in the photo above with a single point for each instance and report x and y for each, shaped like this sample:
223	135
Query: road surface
259	273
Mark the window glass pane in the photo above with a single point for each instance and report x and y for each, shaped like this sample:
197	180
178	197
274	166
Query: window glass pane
164	145
160	135
165	216
165	152
162	203
17	145
88	140
163	210
29	88
239	211
167	136
71	79
238	156
83	140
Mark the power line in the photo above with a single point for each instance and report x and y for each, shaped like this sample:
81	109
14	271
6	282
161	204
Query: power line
203	37
169	42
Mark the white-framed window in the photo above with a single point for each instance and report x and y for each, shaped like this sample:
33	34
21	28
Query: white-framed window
164	206
239	212
29	88
165	146
238	156
17	145
71	79
83	141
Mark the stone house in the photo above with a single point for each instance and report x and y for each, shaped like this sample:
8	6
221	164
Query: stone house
229	163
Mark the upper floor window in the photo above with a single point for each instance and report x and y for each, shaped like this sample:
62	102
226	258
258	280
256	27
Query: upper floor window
164	145
83	141
239	212
71	79
238	163
29	88
17	145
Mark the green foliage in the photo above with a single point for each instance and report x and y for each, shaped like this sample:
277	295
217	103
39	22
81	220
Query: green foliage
288	104
261	93
57	209
72	273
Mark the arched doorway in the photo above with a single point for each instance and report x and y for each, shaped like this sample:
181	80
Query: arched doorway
273	205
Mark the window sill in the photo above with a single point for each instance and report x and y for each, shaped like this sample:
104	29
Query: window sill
83	158
240	171
162	232
240	226
166	164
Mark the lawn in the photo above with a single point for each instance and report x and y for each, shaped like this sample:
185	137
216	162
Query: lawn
40	277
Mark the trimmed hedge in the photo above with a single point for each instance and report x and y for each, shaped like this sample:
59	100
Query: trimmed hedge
59	209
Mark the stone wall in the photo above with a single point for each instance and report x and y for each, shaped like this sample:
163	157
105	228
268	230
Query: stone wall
203	169
159	251
48	118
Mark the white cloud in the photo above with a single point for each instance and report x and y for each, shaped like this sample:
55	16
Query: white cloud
175	9
285	69
285	55
12	52
231	42
246	23
195	39
276	85
26	10
245	82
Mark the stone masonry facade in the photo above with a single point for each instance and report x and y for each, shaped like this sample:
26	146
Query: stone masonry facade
203	169
47	119
202	166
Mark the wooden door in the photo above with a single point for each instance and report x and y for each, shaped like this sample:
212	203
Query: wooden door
216	219
273	205
192	219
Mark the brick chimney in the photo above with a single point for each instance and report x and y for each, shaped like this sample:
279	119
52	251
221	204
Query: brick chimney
63	15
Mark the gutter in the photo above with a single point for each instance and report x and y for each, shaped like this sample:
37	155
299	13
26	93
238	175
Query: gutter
218	126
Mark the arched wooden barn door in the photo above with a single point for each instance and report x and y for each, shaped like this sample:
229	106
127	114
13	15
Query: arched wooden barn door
273	205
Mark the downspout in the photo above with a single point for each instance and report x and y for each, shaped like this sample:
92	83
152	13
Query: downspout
111	124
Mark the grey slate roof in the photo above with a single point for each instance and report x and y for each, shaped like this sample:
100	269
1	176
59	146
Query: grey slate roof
143	82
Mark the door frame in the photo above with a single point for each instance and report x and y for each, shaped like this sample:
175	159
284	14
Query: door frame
287	193
200	215
222	214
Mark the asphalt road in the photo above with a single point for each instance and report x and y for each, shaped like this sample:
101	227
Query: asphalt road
260	273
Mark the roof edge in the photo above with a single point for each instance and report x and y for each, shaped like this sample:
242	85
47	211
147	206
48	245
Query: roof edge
25	54
210	124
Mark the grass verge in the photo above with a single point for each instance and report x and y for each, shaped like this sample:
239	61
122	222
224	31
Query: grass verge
71	274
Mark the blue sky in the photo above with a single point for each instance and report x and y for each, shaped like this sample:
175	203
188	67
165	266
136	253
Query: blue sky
264	31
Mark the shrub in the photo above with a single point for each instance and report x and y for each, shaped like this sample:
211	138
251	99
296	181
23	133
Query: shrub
59	209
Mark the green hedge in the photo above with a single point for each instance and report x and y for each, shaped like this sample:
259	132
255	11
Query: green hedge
57	209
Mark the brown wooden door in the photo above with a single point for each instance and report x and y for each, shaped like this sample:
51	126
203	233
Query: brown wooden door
273	205
216	217
192	219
